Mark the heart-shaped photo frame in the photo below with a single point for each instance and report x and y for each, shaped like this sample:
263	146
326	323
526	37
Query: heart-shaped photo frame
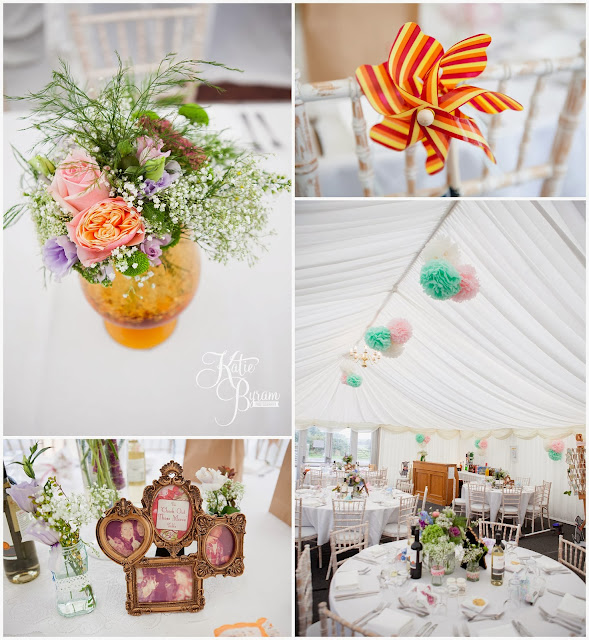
124	533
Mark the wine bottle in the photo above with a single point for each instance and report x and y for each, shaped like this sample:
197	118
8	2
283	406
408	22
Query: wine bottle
497	561
20	558
136	471
416	548
410	540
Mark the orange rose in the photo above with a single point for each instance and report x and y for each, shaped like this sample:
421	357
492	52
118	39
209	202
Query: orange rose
103	227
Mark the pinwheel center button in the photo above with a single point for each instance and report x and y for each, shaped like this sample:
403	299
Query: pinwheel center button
425	117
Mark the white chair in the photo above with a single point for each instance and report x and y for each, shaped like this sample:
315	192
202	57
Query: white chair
476	501
522	482
459	505
404	485
511	503
143	36
546	499
572	556
313	478
304	588
552	172
509	532
346	539
536	506
332	626
304	533
424	500
348	512
401	528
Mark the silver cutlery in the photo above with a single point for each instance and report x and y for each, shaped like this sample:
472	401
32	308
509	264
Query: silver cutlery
466	630
476	617
520	629
561	593
412	608
570	625
373	615
375	611
423	629
275	142
366	560
430	630
257	146
359	594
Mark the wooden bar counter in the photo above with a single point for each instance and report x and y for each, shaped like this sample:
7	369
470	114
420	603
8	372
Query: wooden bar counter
440	479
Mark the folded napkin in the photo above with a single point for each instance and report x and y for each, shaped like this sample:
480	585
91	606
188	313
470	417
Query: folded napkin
390	623
467	604
514	568
312	502
548	564
347	581
376	551
572	608
500	631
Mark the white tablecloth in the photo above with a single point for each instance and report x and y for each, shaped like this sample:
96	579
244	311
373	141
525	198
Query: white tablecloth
263	591
493	499
468	476
377	515
529	616
59	361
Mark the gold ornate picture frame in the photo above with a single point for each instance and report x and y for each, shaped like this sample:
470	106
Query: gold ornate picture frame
171	518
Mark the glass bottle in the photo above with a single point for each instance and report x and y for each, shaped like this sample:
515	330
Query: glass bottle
135	471
416	550
410	539
20	558
497	561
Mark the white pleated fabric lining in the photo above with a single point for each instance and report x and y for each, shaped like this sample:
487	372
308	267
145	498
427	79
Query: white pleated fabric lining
510	361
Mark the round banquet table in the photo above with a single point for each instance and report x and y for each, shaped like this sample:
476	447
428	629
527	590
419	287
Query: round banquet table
381	508
529	616
493	499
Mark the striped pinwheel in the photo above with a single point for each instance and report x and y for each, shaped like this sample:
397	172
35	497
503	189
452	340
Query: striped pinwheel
417	92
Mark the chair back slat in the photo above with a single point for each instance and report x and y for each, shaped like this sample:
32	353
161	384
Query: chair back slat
551	172
332	626
509	532
572	556
304	587
347	513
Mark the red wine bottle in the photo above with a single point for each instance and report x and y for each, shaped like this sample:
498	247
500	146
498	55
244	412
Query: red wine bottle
416	549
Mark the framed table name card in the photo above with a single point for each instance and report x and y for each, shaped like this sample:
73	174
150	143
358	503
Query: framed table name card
171	518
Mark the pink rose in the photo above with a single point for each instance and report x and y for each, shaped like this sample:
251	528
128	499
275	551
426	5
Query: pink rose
435	514
148	149
78	182
103	227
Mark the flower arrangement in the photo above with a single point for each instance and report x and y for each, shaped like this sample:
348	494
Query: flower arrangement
356	481
100	463
222	493
347	459
442	523
442	276
475	550
116	184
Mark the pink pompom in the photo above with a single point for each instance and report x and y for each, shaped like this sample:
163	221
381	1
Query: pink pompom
483	444
557	445
426	439
400	330
469	283
344	378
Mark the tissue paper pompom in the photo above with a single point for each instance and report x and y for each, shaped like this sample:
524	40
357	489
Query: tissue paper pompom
483	444
557	445
344	377
426	439
378	338
394	351
354	380
469	283
400	330
419	438
477	443
547	444
439	279
555	455
441	248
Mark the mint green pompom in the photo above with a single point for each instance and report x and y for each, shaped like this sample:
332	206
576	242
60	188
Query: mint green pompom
138	264
476	443
439	279
354	380
419	438
554	455
378	338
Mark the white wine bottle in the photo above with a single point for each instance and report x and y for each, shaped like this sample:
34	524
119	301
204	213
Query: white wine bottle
497	561
136	471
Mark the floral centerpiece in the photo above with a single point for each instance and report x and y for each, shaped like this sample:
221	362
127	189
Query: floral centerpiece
222	493
56	520
348	462
121	190
354	480
442	536
100	463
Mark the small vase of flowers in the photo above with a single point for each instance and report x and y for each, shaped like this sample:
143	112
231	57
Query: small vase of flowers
222	493
442	536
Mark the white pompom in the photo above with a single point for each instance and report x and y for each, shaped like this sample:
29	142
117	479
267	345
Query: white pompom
441	248
394	351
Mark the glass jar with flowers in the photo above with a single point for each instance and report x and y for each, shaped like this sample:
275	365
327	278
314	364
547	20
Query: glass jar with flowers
443	532
472	556
57	521
357	483
222	493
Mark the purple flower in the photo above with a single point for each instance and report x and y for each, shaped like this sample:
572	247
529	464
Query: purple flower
22	493
454	532
40	531
172	172
59	256
150	149
153	248
106	272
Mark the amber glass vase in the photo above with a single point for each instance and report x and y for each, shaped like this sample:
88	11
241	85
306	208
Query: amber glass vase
143	317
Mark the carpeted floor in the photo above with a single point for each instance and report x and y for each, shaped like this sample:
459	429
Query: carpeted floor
545	543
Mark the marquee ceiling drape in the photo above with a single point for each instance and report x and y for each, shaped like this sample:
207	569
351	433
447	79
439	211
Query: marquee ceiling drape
512	360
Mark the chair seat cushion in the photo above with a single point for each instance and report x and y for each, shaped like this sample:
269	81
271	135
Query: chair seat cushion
509	509
308	532
314	631
459	501
392	529
478	506
347	536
